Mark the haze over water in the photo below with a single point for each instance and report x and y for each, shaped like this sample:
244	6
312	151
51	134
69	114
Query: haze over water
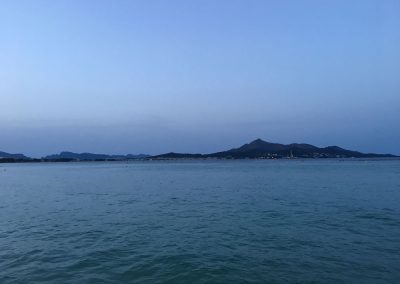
155	76
327	221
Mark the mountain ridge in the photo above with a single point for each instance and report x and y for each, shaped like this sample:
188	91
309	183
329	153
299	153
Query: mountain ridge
92	156
256	149
260	149
12	156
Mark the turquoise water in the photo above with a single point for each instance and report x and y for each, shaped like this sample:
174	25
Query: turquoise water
286	221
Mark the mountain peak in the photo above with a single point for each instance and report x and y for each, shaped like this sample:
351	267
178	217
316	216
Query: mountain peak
262	149
257	141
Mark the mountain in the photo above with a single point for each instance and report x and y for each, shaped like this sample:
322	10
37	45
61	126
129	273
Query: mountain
14	158
260	149
92	157
4	155
257	149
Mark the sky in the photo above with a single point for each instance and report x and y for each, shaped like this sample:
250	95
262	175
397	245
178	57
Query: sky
198	76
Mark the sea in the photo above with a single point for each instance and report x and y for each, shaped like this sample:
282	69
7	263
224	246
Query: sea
208	221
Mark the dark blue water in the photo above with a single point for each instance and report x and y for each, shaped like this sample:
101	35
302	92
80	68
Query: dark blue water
319	221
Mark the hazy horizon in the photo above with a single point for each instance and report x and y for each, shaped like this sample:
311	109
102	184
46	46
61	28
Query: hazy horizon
198	76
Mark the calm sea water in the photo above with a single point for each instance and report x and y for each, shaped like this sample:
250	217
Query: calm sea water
320	221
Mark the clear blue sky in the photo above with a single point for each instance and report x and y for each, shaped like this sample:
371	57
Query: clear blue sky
198	76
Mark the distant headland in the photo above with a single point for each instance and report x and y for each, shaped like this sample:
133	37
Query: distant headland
257	149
